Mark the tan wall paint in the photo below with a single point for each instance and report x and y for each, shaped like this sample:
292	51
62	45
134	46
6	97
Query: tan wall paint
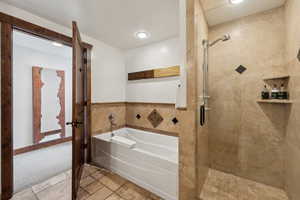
247	138
292	164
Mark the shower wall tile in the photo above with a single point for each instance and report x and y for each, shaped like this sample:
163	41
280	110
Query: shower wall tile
100	113
292	144
247	138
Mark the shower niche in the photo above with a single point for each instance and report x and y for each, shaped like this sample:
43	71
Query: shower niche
48	104
277	80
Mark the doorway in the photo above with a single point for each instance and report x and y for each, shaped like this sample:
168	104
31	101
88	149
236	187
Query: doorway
9	144
42	78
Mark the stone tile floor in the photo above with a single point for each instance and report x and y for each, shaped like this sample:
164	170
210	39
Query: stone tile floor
100	184
96	184
222	186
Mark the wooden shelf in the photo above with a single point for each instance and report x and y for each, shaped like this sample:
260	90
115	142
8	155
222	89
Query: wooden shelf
276	77
275	101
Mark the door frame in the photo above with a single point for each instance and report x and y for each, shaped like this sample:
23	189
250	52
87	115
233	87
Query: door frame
8	24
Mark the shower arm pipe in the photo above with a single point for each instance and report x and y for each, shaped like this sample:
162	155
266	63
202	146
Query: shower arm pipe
216	41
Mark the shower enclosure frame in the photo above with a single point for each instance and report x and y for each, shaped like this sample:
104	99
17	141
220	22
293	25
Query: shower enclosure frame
8	24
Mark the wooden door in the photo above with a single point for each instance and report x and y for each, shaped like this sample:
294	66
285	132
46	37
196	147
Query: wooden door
78	120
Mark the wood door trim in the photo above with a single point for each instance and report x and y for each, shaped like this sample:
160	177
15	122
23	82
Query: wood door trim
37	30
41	145
6	90
88	66
47	133
6	112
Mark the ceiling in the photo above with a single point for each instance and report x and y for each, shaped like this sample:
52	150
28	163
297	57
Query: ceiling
111	21
220	11
41	45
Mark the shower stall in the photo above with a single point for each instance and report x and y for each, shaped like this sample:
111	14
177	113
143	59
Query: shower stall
253	147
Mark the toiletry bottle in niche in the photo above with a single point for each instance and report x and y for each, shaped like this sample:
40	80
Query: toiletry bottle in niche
265	94
274	92
283	94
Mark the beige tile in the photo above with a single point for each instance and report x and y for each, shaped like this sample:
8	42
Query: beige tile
98	174
100	113
221	186
101	194
57	192
246	138
86	181
25	195
130	191
82	194
93	187
69	173
154	197
50	182
90	168
114	197
112	181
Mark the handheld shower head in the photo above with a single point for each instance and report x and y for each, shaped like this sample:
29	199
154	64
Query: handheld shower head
224	38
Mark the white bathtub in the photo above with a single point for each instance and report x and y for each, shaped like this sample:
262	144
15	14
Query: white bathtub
152	163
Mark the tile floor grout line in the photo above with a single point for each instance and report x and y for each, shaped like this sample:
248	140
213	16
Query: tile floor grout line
35	194
91	184
48	186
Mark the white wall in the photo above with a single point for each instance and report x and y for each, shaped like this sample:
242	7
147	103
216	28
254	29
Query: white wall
108	80
50	161
108	74
162	54
23	60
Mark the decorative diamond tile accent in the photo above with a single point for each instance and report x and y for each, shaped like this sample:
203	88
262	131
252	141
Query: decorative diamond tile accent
241	69
155	118
138	116
175	120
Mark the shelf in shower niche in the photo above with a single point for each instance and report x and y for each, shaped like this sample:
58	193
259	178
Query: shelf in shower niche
286	76
278	101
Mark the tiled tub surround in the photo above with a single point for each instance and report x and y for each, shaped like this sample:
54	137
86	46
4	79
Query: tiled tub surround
152	162
100	113
247	138
167	112
134	114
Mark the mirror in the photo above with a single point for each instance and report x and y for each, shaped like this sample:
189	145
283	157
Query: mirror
48	104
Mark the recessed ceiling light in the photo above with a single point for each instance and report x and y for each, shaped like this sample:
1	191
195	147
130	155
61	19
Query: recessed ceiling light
142	35
57	44
235	1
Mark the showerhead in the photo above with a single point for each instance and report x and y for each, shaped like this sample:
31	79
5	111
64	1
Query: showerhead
224	38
